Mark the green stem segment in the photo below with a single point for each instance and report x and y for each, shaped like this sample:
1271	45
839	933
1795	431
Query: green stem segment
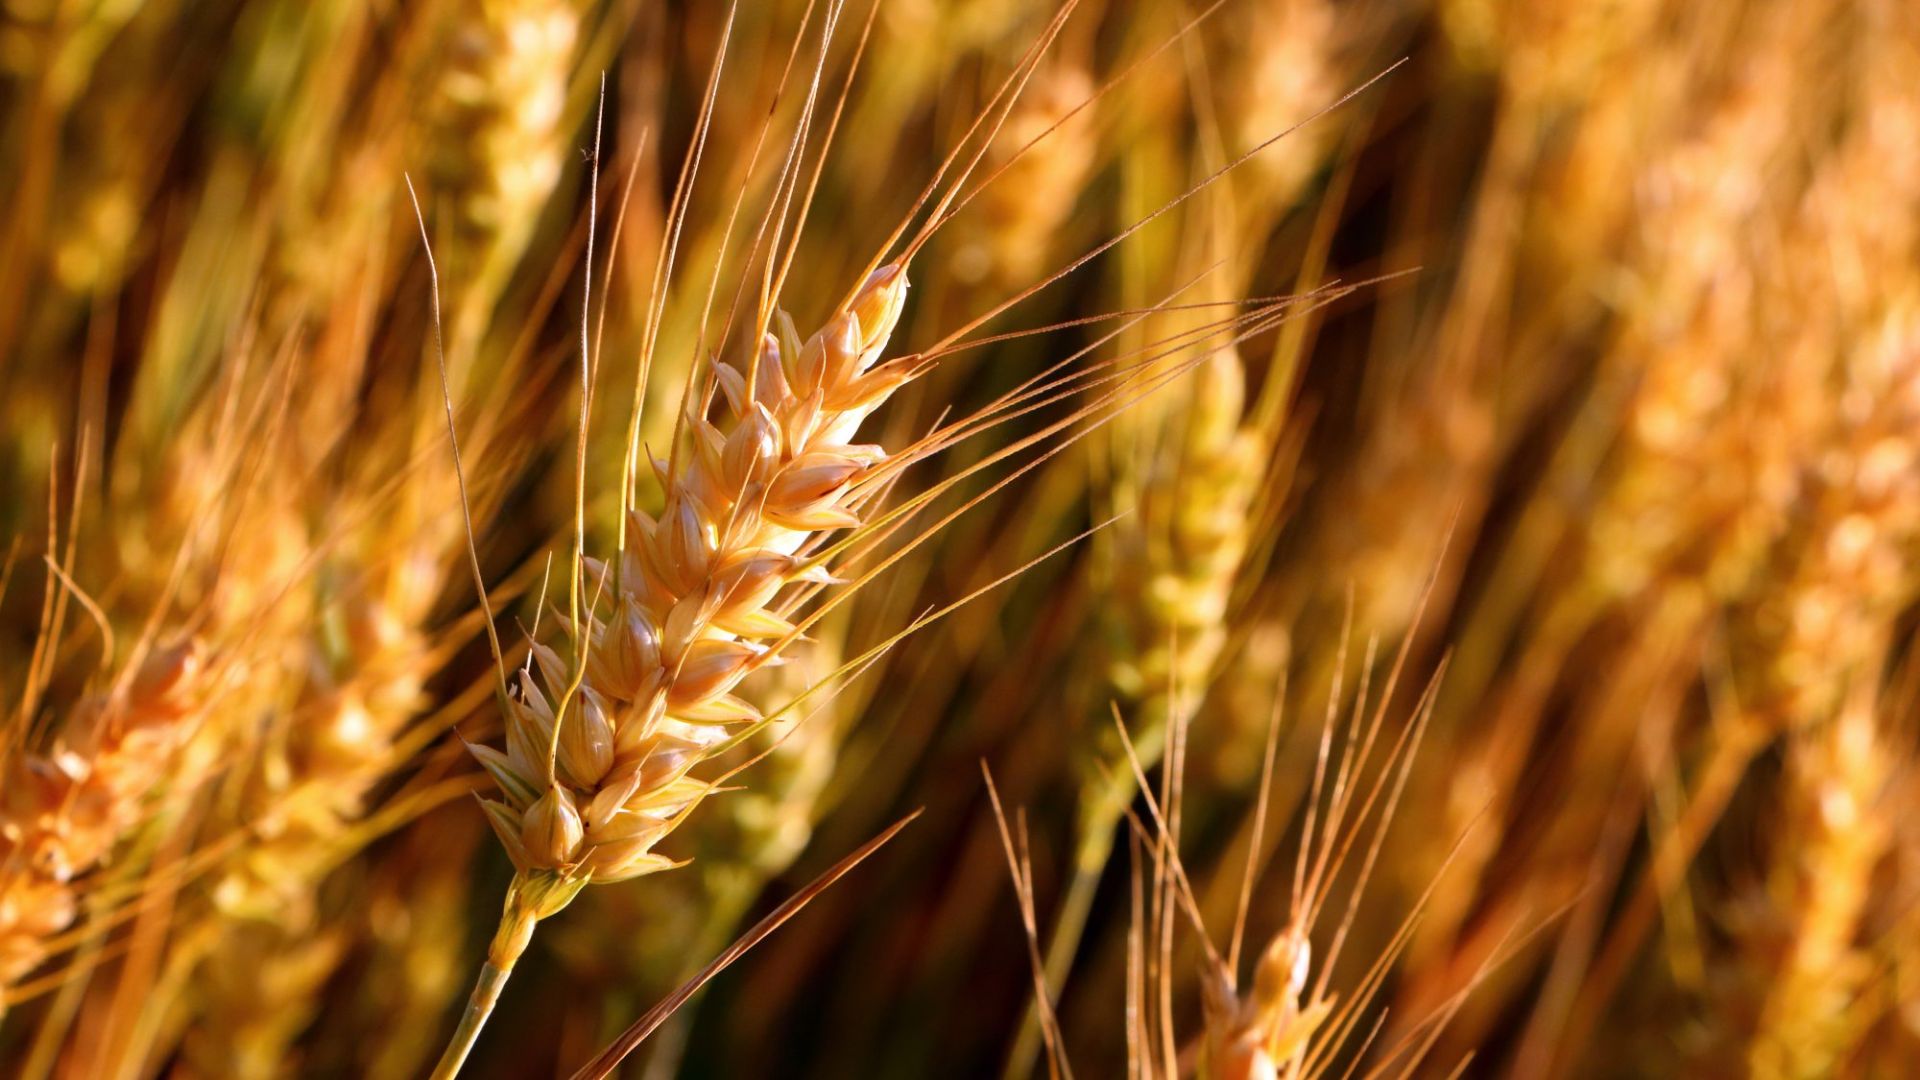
516	930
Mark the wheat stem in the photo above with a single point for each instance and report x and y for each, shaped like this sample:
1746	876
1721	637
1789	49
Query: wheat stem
509	941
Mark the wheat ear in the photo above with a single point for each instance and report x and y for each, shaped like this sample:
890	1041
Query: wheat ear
597	768
64	811
501	110
1046	153
1171	604
1835	835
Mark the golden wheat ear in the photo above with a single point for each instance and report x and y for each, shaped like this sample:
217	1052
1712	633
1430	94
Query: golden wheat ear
1291	1020
80	781
66	810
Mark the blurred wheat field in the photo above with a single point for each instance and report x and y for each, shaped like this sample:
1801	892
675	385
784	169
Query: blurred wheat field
1269	538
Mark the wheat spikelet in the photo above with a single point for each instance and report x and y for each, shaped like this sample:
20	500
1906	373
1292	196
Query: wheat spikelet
1170	586
1270	1029
216	513
1196	474
1288	1022
505	96
1176	584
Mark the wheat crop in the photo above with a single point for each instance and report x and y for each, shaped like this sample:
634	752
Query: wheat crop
477	491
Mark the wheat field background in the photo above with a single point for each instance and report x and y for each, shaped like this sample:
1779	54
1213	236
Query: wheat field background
948	538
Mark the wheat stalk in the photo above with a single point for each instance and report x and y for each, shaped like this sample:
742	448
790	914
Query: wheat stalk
1172	586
